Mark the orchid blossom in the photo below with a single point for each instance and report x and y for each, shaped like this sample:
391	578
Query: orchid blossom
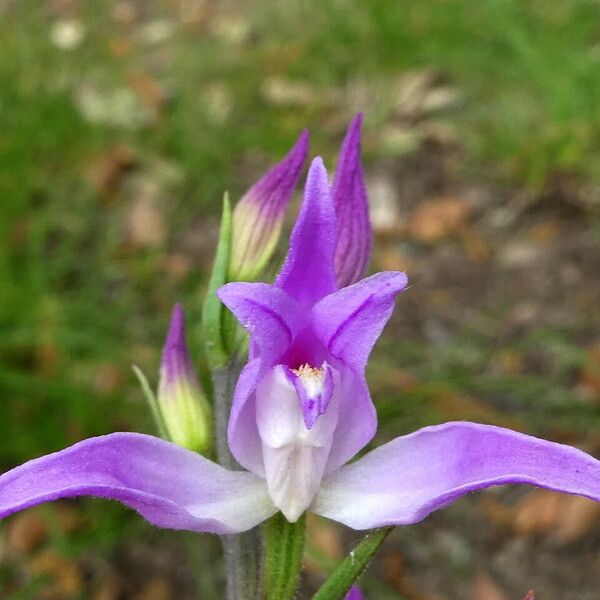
302	410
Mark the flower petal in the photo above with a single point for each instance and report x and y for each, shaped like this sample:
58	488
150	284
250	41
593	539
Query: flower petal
270	315
357	420
242	431
308	272
168	485
349	321
403	481
350	200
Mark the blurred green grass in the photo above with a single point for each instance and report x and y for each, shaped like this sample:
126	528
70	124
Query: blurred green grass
75	300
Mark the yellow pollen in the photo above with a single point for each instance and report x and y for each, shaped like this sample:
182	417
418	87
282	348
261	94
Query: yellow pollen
307	370
312	378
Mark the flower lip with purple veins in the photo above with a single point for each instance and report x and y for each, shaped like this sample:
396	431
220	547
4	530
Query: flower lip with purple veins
301	411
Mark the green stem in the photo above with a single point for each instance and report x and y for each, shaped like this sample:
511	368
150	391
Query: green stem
243	552
343	578
213	310
284	549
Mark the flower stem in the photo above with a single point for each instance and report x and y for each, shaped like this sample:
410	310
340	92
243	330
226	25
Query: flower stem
284	549
342	579
243	552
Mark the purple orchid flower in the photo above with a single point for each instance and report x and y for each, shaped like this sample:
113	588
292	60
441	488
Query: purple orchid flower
302	410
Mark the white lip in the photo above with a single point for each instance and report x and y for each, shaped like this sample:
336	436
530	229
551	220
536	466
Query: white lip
294	456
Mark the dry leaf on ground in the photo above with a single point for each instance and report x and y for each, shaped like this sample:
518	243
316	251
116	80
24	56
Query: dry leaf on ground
438	218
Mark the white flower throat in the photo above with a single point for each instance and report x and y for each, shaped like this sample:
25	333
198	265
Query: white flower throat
294	456
312	378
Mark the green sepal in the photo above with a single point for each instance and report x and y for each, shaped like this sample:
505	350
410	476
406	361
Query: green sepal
351	568
152	403
213	310
284	549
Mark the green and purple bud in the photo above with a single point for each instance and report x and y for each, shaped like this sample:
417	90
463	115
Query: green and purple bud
258	216
183	409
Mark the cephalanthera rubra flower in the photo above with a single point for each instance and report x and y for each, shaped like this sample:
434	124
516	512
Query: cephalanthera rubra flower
301	411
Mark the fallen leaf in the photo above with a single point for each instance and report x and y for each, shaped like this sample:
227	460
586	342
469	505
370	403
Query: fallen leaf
124	12
26	531
544	232
589	376
156	589
476	247
178	265
109	588
561	517
145	224
456	406
391	259
108	170
109	377
396	576
120	47
149	91
510	362
537	513
438	218
66	581
484	588
324	538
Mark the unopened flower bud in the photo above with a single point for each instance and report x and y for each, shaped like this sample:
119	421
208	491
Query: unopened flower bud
353	251
258	216
183	408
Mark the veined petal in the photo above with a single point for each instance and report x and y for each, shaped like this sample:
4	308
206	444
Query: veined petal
350	200
308	272
269	314
349	321
168	485
403	481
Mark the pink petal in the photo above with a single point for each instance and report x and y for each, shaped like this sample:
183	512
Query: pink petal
308	272
242	431
168	485
349	321
403	481
357	419
269	314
